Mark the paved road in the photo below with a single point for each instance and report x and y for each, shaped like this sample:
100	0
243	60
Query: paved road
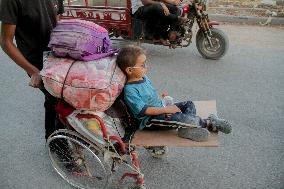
247	84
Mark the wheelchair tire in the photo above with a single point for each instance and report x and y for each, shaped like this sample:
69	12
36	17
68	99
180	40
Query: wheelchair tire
77	160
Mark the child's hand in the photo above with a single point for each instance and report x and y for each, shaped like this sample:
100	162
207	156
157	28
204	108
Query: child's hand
172	109
35	80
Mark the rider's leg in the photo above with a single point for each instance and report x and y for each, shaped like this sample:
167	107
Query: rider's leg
173	9
161	35
153	14
147	13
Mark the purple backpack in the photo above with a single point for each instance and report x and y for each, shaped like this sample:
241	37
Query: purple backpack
81	40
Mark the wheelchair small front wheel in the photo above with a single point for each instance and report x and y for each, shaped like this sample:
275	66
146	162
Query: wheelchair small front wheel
157	151
78	161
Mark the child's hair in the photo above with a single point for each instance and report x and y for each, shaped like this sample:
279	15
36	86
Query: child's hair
128	55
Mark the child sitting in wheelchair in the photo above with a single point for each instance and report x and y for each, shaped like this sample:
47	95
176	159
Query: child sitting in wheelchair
147	108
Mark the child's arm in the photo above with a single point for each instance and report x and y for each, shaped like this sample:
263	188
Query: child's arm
162	110
138	107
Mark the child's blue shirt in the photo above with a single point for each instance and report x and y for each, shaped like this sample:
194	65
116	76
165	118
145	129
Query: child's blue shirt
140	95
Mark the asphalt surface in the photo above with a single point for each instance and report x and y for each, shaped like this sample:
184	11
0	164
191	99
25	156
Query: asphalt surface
248	19
247	84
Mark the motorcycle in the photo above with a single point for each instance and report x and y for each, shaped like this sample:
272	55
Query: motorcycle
116	17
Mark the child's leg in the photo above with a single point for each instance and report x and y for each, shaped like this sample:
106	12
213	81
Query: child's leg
187	107
213	123
176	120
189	114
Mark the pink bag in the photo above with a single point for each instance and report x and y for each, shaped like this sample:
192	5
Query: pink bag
92	85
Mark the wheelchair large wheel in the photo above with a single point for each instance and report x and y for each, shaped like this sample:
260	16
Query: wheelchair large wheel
77	160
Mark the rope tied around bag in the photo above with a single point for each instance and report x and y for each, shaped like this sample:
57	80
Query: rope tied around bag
63	84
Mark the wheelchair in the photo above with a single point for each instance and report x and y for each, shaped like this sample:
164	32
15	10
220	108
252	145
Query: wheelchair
87	160
99	159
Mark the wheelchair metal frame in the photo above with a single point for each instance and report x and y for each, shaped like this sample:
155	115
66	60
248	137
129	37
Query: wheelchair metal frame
115	149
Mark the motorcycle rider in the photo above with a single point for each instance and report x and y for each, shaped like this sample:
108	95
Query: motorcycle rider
165	14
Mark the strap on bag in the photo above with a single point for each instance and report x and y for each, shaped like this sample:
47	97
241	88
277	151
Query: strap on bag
101	55
63	84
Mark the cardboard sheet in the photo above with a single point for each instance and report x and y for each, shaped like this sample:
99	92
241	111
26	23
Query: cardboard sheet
170	138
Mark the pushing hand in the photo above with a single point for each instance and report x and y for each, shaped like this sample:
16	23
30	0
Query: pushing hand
35	80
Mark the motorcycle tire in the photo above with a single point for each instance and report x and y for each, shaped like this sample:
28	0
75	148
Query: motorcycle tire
220	43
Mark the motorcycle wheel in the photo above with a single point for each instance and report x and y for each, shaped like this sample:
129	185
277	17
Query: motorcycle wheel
220	43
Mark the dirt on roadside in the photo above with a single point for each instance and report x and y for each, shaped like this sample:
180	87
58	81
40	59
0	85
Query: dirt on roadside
258	8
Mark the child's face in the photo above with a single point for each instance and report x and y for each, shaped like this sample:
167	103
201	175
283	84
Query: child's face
139	70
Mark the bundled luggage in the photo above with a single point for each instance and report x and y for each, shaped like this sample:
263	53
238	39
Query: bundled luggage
92	85
80	39
81	68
